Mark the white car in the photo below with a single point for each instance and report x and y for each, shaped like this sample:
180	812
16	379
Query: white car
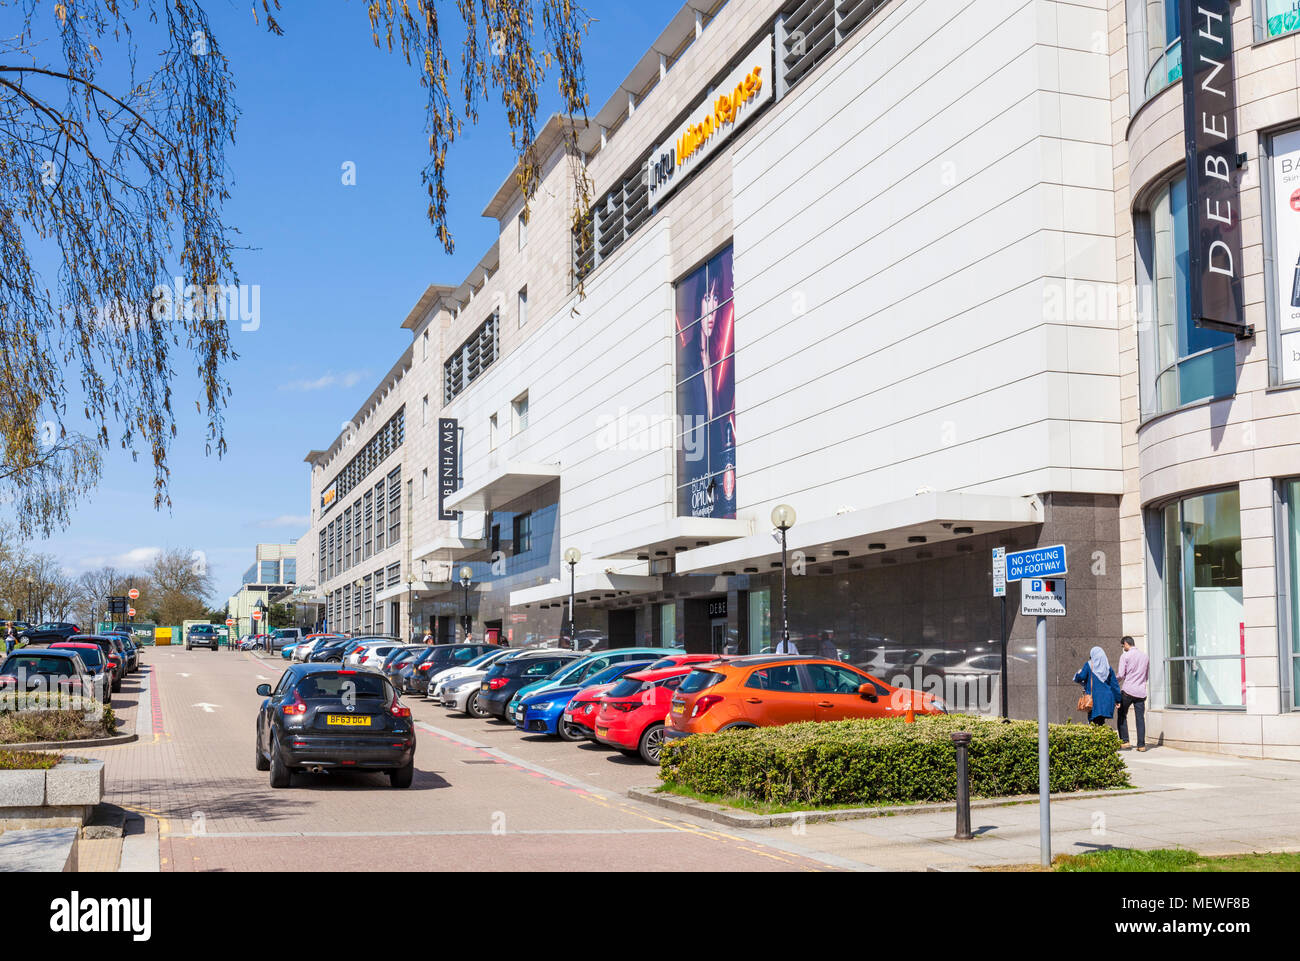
372	653
478	666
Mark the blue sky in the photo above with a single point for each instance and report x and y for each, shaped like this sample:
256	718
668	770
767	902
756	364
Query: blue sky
339	269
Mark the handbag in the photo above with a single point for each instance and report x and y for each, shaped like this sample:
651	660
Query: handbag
1085	699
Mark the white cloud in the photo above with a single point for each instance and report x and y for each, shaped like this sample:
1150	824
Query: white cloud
133	560
346	379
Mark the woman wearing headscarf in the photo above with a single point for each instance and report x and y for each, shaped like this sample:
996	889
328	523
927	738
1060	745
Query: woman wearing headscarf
1100	686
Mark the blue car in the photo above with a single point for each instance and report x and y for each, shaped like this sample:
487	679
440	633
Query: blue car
575	673
287	651
542	713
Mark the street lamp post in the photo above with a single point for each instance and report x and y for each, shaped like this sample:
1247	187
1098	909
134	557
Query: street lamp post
571	557
30	619
783	518
466	578
410	606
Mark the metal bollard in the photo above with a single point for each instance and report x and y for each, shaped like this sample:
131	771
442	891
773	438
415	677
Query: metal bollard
962	742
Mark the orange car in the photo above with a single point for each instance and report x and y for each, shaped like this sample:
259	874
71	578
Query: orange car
768	690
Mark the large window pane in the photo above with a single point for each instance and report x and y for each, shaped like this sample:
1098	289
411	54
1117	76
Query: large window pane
1164	52
1203	601
760	621
1281	16
1190	363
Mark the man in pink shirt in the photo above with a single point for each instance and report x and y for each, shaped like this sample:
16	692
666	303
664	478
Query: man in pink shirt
1133	673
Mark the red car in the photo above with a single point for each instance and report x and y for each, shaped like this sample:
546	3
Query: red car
631	715
579	718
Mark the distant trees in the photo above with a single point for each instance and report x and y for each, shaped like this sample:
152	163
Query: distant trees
176	587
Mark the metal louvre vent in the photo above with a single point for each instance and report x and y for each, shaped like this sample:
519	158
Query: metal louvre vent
811	30
615	218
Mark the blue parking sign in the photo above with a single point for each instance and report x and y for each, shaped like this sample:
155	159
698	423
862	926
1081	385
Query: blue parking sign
1042	562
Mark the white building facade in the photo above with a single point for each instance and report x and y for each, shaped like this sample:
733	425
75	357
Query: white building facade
833	264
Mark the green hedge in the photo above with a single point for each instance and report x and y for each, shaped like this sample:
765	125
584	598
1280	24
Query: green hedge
873	762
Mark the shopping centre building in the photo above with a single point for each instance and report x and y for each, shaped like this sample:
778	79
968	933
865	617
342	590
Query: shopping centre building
912	268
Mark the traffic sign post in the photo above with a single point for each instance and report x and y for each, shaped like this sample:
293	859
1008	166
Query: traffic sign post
130	612
1042	595
1000	591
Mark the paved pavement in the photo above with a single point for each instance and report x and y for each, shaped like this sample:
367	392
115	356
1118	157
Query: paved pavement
488	798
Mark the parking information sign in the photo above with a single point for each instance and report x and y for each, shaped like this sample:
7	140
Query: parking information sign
1000	572
1040	562
1042	598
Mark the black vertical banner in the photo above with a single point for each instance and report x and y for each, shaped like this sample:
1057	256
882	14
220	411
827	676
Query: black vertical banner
1214	197
448	465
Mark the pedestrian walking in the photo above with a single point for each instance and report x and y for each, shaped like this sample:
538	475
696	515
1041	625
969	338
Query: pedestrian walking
786	647
1101	690
1133	674
11	639
428	638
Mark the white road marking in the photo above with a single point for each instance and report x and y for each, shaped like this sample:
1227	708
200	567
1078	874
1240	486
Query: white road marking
207	708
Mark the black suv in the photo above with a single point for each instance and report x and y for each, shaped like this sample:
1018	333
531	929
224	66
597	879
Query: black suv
319	719
202	635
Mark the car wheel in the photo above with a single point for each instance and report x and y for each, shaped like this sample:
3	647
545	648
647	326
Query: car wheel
261	762
474	709
188	648
401	777
281	775
570	732
652	742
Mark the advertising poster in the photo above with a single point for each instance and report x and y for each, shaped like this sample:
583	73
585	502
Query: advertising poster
1286	221
706	391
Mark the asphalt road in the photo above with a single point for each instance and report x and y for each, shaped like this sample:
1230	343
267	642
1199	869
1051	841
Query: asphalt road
485	797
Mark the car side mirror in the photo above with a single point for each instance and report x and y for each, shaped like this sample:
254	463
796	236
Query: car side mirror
264	690
868	692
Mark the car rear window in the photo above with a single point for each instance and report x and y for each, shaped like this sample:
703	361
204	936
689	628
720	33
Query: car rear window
92	656
662	663
42	664
326	685
627	688
698	681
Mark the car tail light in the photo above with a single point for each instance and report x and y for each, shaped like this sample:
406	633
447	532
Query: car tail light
497	683
297	708
702	704
363	658
359	650
424	667
397	710
347	673
625	706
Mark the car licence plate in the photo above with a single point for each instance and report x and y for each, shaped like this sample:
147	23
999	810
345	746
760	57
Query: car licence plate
568	716
340	720
679	709
602	731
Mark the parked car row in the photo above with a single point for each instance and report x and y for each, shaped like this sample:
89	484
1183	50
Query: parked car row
634	699
345	710
91	665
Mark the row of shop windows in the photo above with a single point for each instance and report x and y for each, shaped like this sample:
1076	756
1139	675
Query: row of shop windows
1199	613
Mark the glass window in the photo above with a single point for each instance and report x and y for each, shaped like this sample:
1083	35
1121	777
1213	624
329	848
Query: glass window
1203	602
523	533
668	625
519	412
1281	16
700	680
1291	495
1183	363
1158	20
783	677
760	621
523	307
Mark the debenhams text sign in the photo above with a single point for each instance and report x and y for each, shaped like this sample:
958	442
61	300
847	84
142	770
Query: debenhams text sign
1214	196
736	99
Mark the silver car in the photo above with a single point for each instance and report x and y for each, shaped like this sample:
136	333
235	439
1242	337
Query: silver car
478	667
